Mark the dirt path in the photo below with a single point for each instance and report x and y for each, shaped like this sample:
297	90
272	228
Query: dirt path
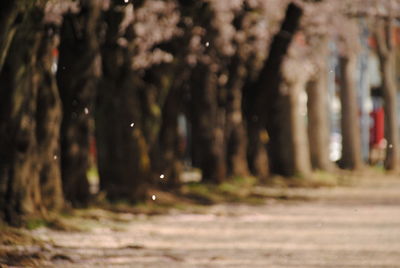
341	227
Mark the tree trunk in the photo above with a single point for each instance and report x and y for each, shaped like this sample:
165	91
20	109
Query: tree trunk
350	122
172	140
8	16
318	125
30	114
123	160
294	155
207	125
236	137
171	153
298	131
271	106
318	117
386	53
123	153
49	113
77	77
257	155
392	160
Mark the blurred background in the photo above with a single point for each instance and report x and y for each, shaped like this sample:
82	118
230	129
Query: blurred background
116	97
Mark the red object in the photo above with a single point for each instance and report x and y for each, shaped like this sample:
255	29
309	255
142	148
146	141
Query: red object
92	147
55	53
372	42
377	130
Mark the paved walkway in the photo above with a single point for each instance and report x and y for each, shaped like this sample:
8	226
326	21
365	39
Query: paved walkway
342	227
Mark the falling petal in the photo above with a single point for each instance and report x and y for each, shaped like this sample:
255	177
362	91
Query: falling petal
162	176
153	197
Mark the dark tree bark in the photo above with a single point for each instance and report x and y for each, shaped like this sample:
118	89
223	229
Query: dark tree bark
8	26
20	192
168	152
235	132
29	126
386	53
123	153
48	117
151	90
207	113
207	125
257	155
77	77
171	153
172	144
350	122
317	107
269	103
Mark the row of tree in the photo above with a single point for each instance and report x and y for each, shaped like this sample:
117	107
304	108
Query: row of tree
125	71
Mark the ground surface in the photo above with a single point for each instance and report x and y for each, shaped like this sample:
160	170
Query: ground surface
356	226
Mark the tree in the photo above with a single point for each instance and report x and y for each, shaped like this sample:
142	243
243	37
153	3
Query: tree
225	36
386	53
170	152
295	74
77	76
207	125
127	111
351	147
269	103
8	25
318	125
236	136
258	24
30	180
207	114
350	123
123	160
48	117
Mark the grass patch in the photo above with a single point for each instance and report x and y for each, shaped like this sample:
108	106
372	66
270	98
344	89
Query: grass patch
55	222
190	197
35	223
237	189
317	179
93	175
